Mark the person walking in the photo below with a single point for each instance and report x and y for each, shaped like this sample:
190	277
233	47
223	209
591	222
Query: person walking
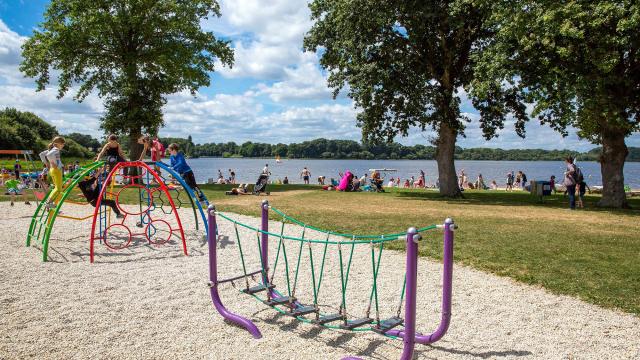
16	169
523	180
462	179
509	181
570	181
305	174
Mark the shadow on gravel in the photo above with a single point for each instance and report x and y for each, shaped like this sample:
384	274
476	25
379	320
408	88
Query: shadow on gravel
483	355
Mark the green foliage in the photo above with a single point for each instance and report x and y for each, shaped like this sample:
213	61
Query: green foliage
186	145
576	61
85	140
26	131
403	60
133	52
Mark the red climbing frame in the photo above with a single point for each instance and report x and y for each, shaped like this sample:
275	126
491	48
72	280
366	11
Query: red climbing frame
161	187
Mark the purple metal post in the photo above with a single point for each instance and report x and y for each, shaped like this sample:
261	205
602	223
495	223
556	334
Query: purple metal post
447	280
410	300
265	241
411	269
212	240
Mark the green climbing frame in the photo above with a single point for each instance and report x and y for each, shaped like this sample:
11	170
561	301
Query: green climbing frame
44	219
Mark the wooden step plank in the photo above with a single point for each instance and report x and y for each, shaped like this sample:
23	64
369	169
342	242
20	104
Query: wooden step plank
280	301
388	324
328	319
257	289
302	310
356	323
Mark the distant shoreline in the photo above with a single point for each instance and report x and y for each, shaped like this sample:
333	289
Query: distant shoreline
344	159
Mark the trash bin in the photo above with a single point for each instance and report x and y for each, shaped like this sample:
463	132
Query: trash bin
540	188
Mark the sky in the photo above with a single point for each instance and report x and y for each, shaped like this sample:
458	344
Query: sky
274	93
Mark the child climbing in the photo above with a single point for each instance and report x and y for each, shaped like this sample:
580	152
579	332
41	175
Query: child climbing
55	168
179	164
91	190
112	150
13	188
144	140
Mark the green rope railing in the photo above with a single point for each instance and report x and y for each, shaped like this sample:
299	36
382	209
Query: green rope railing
381	238
352	236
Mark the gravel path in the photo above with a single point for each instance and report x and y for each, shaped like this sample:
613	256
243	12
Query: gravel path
152	302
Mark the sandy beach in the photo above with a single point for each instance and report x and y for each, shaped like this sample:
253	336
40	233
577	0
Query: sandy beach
152	302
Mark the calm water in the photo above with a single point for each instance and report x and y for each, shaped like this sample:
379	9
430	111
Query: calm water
247	170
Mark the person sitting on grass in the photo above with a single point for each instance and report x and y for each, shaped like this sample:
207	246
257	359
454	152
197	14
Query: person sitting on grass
91	191
376	179
14	189
179	164
240	190
285	181
494	185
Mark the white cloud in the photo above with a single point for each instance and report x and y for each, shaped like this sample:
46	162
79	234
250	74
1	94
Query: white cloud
303	82
268	40
10	54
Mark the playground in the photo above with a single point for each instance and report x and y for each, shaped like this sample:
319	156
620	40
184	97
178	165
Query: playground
153	301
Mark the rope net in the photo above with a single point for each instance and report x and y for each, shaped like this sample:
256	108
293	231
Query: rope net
323	277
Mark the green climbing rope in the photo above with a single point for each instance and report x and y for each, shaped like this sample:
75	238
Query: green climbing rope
295	279
375	267
244	266
324	256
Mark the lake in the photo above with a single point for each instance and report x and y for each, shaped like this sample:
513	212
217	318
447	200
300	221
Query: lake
247	170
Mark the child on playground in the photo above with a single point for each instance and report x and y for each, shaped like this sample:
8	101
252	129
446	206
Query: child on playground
13	188
91	192
179	164
55	168
113	150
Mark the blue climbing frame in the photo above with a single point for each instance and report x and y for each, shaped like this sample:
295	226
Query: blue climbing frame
189	190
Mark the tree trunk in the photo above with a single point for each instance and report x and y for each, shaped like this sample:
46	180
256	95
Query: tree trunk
614	153
135	150
445	150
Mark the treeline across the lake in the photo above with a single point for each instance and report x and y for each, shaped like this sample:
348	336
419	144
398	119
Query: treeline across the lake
348	149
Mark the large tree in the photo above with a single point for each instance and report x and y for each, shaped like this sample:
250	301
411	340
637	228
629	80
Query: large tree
578	63
404	63
133	52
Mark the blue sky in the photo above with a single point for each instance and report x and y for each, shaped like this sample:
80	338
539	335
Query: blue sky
274	93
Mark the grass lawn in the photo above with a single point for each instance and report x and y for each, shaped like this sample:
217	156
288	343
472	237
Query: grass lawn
592	254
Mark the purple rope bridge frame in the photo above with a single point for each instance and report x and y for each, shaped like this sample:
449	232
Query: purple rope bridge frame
409	335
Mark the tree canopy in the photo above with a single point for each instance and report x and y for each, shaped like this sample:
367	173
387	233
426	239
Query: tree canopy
404	63
577	63
132	52
26	131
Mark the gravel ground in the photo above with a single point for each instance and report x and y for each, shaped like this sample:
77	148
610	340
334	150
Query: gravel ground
152	302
